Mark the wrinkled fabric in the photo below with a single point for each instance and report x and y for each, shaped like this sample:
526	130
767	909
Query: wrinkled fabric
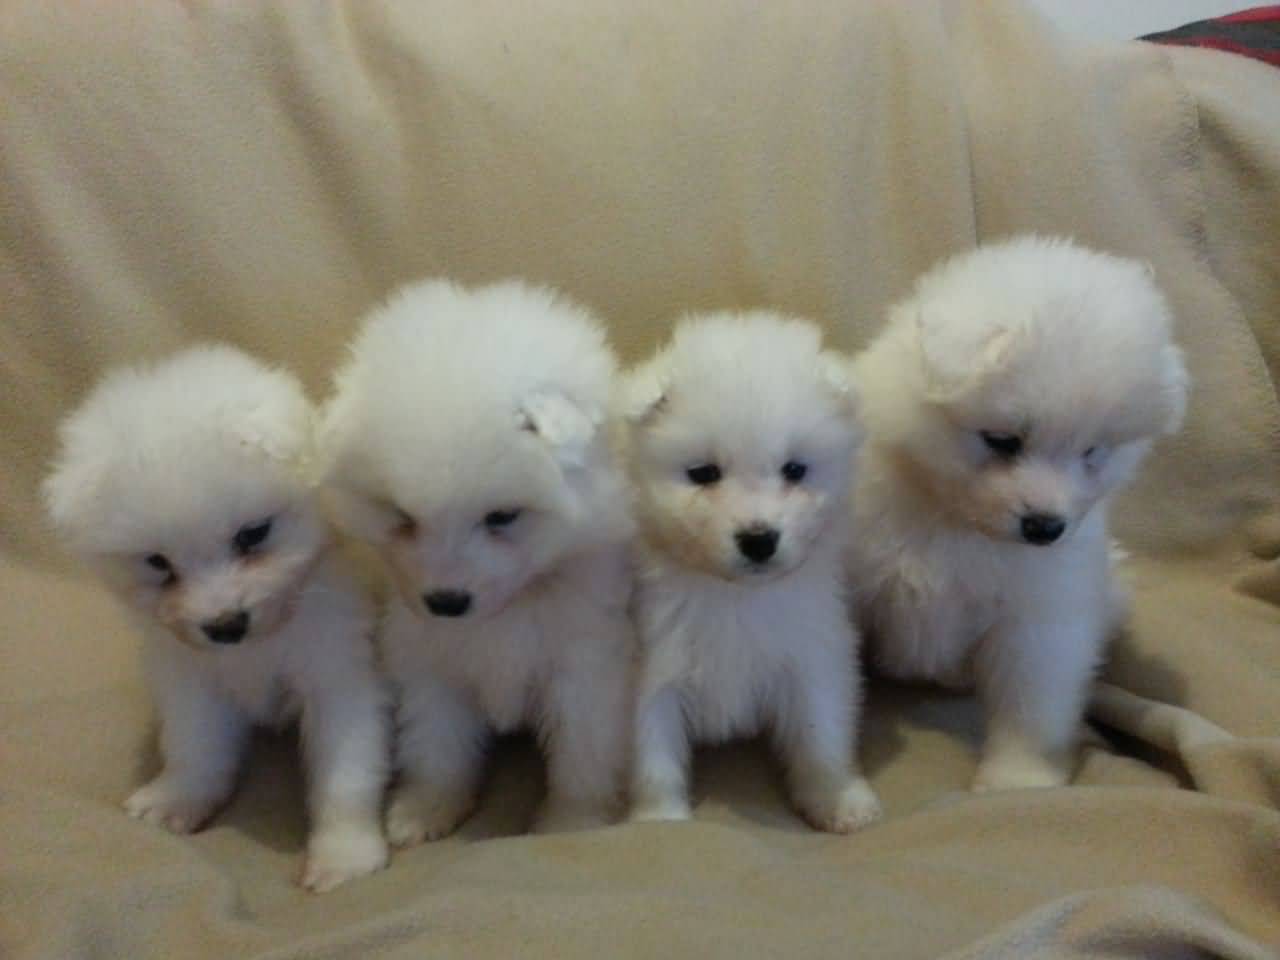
263	173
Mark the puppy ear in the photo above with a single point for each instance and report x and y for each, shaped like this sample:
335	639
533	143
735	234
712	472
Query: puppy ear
567	428
73	490
70	495
287	437
642	394
358	515
959	356
836	371
1175	384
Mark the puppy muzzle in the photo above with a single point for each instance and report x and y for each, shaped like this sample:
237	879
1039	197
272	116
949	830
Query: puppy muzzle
447	603
227	629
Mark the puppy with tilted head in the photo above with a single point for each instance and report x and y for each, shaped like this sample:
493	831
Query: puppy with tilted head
740	438
465	441
188	486
1006	401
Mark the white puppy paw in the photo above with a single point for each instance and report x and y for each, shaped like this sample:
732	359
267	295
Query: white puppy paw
839	809
418	813
1008	769
168	804
341	852
660	807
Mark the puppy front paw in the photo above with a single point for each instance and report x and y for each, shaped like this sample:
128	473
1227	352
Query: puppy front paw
341	852
660	807
166	803
419	813
839	809
1009	769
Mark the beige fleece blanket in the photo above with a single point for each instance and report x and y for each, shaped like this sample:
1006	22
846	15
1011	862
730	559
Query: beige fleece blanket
262	173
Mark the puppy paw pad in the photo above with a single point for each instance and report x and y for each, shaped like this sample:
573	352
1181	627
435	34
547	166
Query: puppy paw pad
338	854
1017	772
416	816
660	809
166	805
842	810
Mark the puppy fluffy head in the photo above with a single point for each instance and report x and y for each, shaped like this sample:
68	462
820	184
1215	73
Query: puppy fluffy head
185	485
464	440
1023	382
741	434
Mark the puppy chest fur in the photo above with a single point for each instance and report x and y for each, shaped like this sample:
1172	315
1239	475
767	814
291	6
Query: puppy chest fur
726	648
930	597
270	679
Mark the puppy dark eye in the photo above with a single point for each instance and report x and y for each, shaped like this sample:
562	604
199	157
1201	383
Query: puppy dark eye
158	561
793	471
1094	457
406	526
704	474
498	519
1006	445
248	538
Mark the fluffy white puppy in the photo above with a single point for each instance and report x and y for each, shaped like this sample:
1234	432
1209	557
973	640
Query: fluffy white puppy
740	436
1007	399
465	441
186	485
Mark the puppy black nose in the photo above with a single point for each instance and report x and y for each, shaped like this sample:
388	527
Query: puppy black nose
1042	528
757	544
227	629
447	603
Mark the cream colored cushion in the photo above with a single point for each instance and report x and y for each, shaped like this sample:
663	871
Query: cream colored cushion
262	173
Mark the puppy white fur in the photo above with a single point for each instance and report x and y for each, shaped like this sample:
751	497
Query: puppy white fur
465	441
186	486
1007	399
740	438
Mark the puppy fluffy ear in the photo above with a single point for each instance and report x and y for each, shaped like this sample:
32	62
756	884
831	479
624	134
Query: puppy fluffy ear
642	393
1175	384
70	493
357	514
286	437
73	489
957	356
836	371
565	426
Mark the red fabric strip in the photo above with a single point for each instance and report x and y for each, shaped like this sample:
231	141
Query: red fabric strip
1218	43
1252	15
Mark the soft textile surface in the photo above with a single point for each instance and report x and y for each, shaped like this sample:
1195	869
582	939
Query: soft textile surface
264	172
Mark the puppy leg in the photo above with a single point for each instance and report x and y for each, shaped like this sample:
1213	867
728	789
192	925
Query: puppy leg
345	743
440	751
817	712
1033	680
660	767
584	731
201	737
